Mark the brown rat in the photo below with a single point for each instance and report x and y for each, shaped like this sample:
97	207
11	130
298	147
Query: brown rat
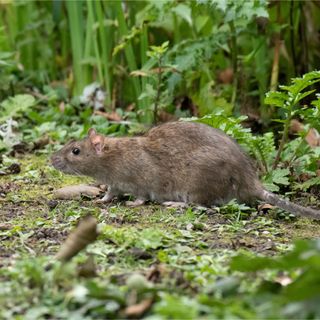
177	161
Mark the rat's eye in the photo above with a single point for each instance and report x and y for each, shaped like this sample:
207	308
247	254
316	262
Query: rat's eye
76	151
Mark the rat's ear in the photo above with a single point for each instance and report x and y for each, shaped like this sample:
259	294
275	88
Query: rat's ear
91	132
96	140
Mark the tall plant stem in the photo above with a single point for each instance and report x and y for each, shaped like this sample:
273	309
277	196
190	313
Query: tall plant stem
74	9
145	103
284	138
157	99
276	56
292	38
234	56
129	53
304	39
275	64
105	43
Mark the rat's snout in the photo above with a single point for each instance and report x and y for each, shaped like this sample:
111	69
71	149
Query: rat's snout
57	162
61	164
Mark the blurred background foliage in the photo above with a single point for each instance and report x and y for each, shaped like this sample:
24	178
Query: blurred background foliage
209	55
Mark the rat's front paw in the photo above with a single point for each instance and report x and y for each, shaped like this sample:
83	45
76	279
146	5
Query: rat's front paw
135	203
175	204
106	198
101	201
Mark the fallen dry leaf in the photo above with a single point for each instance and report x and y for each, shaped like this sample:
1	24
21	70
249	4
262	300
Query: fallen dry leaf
140	254
265	207
112	116
75	192
295	126
62	106
137	310
303	177
85	233
312	137
5	226
226	76
283	280
156	273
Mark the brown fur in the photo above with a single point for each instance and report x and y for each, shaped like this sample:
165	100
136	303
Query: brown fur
177	161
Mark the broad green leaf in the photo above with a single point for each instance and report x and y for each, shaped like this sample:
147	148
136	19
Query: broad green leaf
276	98
280	176
12	106
183	11
246	263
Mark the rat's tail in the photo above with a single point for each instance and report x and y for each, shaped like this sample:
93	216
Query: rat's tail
289	206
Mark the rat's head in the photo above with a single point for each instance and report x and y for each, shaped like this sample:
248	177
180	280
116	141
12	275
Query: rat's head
80	157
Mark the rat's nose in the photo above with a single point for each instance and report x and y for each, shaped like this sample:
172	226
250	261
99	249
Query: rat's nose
56	162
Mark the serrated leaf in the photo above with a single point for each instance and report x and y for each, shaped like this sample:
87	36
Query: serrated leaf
307	184
300	95
276	98
316	103
299	84
280	176
14	105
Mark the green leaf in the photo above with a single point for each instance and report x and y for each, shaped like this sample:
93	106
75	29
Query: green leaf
305	287
184	12
15	105
307	184
276	98
276	177
300	96
245	263
280	176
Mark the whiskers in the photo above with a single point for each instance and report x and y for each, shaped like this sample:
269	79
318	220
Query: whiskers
75	172
65	168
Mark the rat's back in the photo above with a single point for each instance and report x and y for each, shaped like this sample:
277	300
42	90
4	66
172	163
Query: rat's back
200	164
